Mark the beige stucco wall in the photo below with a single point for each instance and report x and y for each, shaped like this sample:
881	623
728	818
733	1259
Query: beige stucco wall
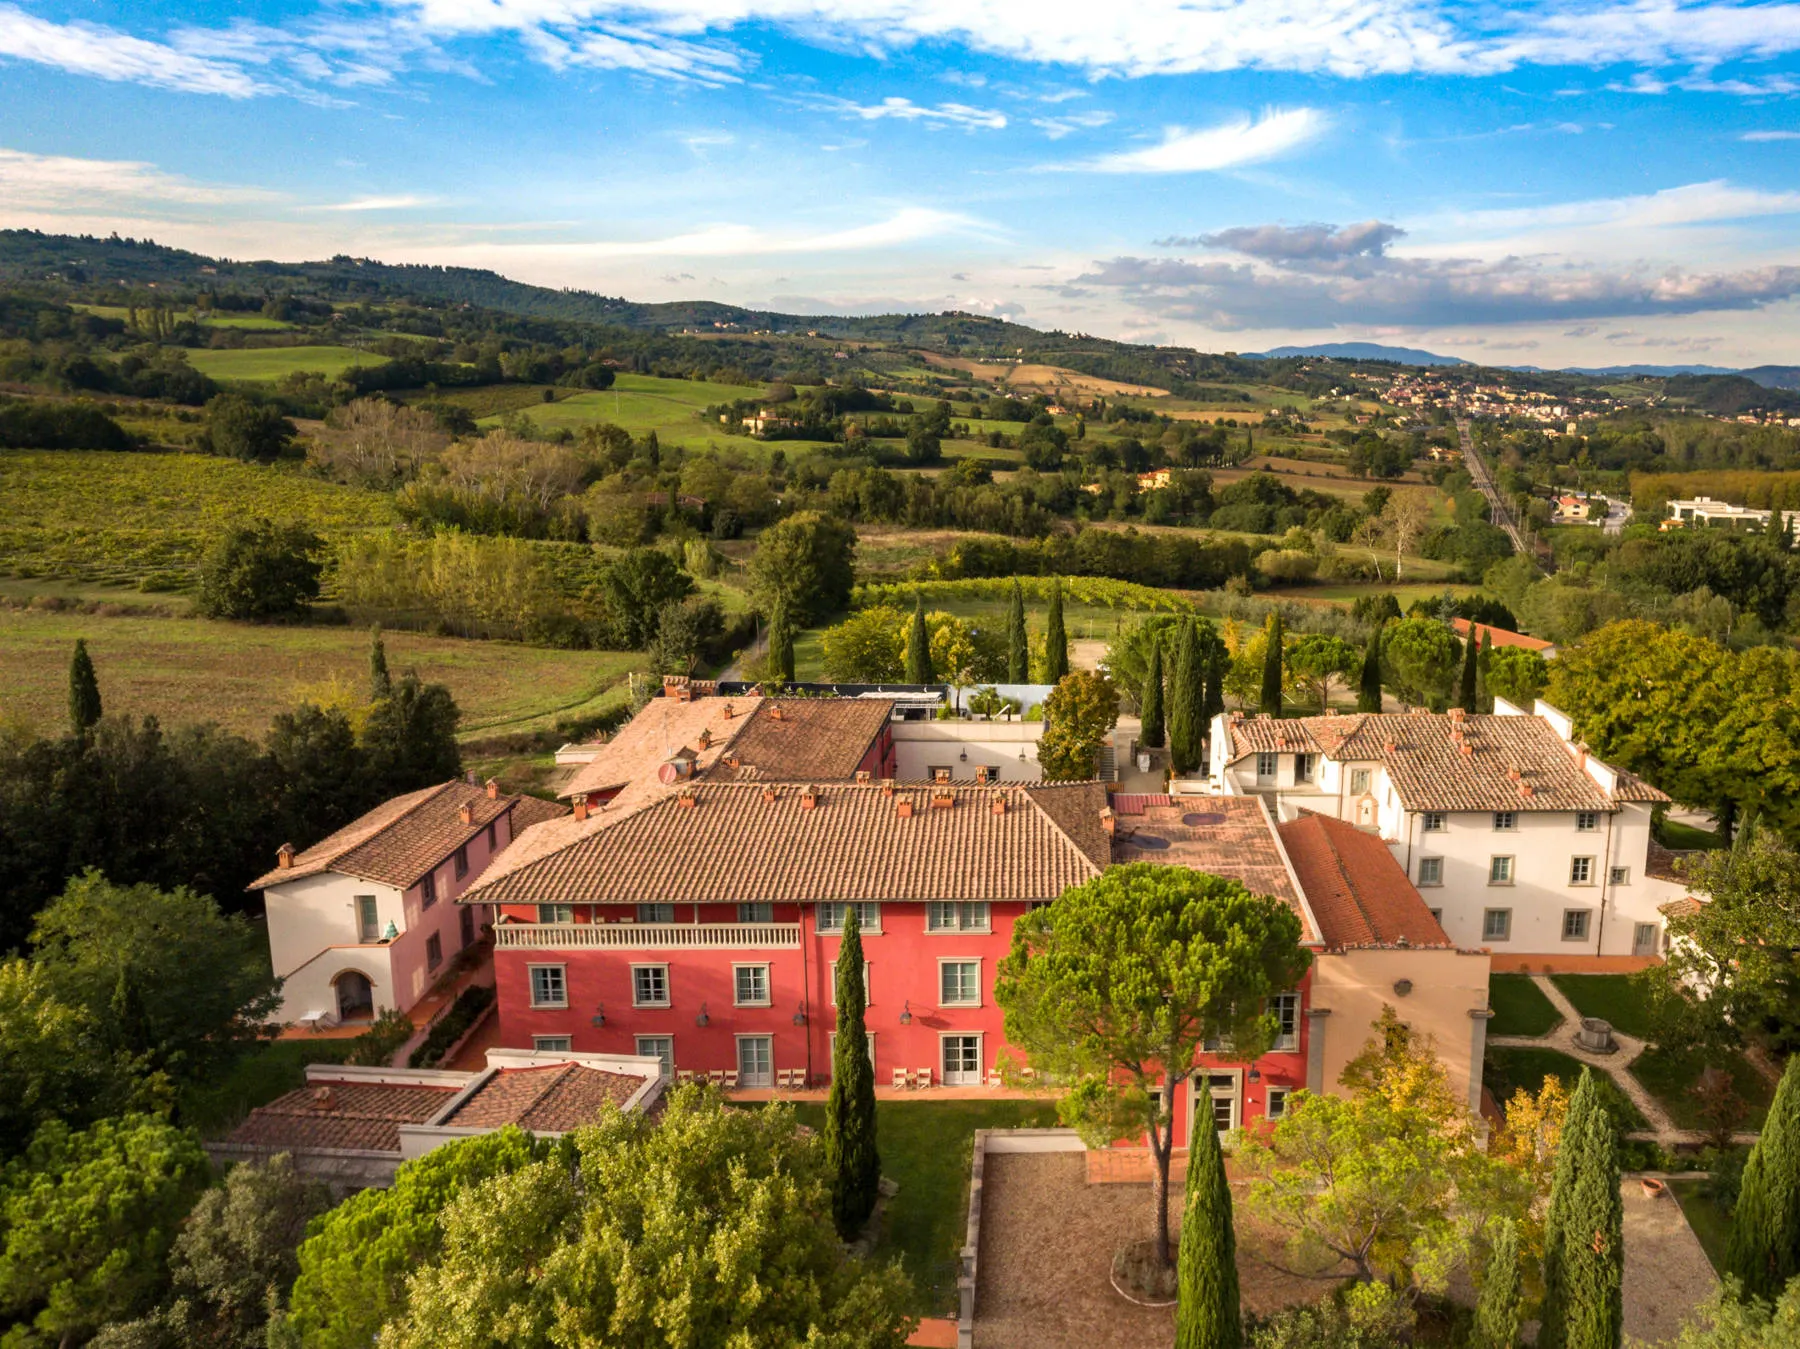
1446	987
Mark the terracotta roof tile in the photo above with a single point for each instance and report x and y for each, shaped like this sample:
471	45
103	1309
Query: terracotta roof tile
1662	863
1356	889
1229	836
732	845
552	1099
663	726
362	1116
1501	636
804	739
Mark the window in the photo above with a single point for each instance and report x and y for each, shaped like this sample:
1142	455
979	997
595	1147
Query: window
964	917
1431	871
428	890
1286	1007
1500	871
492	838
556	1044
868	1047
1619	876
1496	925
549	986
368	920
756	1061
1432	822
1581	871
434	951
1437	916
1575	924
1359	781
660	1047
1278	1101
1587	821
460	863
1644	939
1303	767
1265	765
649	985
831	985
756	913
752	985
556	913
959	983
831	917
1505	820
962	1060
656	913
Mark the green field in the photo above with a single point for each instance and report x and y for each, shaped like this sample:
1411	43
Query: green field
670	407
190	669
254	365
147	519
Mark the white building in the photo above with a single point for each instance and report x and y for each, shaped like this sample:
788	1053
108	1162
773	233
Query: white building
1706	511
1519	839
364	920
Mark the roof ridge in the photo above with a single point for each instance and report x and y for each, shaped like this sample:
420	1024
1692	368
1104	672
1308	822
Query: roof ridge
429	794
1067	838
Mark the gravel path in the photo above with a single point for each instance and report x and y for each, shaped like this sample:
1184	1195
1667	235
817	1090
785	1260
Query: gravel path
1667	1274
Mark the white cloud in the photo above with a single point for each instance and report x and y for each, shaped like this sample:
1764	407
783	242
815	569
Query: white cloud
1228	145
56	182
89	49
1690	204
1058	127
905	110
402	203
1770	136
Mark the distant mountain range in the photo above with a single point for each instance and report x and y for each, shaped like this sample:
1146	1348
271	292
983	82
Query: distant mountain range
1769	376
1359	351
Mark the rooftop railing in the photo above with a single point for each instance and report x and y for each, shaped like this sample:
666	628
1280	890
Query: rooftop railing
645	936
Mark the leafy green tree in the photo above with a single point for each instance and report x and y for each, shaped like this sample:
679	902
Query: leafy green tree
1316	660
410	737
1500	1311
1018	650
381	683
167	979
50	1065
1368	691
261	571
356	1259
1081	711
1764	1252
634	590
1419	655
685	631
1207	1315
1114	988
1517	675
1584	1243
918	646
807	559
1269	700
1467	695
781	643
1056	641
87	1218
84	690
319	774
1187	697
240	427
850	1152
1729	1321
701	1228
865	648
1150	701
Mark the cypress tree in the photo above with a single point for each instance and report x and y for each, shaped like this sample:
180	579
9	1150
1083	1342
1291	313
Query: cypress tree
1483	699
1212	695
1269	700
850	1154
84	690
1765	1233
1056	642
1207	1315
781	643
918	646
1186	701
1584	1238
381	683
1150	702
1500	1309
1368	693
1018	650
1467	693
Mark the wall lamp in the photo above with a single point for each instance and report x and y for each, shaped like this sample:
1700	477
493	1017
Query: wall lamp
703	1018
906	1013
1255	1074
599	1017
800	1014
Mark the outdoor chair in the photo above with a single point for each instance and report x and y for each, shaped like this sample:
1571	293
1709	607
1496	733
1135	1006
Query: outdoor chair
902	1078
922	1078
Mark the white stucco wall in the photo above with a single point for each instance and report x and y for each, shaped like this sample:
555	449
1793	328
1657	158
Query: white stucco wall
921	745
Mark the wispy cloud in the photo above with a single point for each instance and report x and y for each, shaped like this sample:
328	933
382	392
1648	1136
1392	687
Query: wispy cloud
1770	136
1244	140
89	49
57	182
1058	127
905	110
400	203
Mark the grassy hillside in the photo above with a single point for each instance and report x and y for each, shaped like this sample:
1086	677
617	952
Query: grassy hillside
641	404
261	364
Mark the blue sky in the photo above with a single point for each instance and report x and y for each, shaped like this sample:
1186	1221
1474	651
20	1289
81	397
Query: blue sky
1567	182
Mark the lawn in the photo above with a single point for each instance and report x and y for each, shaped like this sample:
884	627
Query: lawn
670	407
240	675
1685	837
925	1149
262	364
1669	1075
1507	1070
1520	1007
1613	997
262	1074
1711	1224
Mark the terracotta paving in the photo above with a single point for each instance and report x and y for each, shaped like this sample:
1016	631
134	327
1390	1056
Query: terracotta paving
1551	964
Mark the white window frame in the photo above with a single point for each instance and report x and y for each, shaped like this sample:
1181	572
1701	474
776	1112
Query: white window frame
561	973
640	1041
1434	822
1581	871
868	1044
556	912
1586	917
1436	876
1494	868
963	1080
1360	779
1275	1104
552	1044
1286	1042
867	910
369	932
868	985
1656	943
943	961
1619	875
1505	934
1506	821
743	1077
1587	821
1201	1093
756	906
1273	761
1303	767
959	914
738	970
639	911
668	992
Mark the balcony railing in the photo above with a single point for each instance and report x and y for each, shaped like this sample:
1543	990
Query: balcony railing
645	936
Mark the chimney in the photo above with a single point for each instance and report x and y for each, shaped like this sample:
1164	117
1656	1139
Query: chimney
1581	754
940	775
943	797
705	737
1108	821
284	856
775	712
1387	747
493	789
768	793
983	773
999	806
466	813
1468	750
323	1098
730	711
862	777
887	786
581	807
686	798
1525	790
903	807
1512	772
1457	714
809	798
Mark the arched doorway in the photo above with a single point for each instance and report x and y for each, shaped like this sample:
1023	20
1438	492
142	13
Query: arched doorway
355	996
